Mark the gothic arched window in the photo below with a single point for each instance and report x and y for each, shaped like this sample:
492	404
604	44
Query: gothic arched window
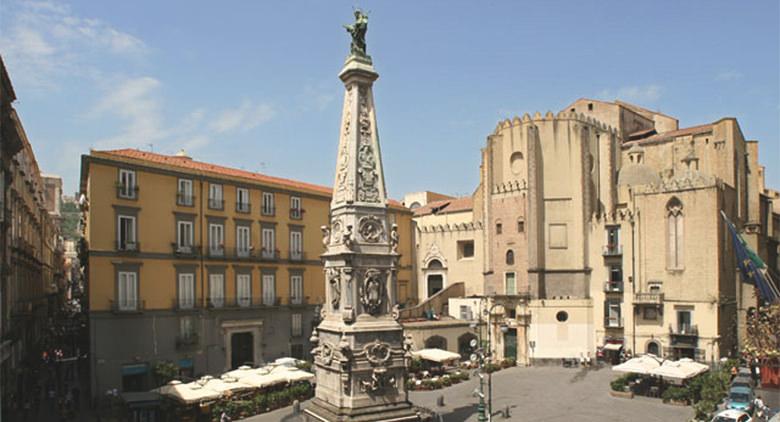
510	257
674	244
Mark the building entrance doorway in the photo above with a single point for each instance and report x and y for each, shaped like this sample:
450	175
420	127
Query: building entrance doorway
510	344
435	284
241	349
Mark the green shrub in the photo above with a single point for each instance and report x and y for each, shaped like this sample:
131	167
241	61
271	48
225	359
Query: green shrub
304	365
416	366
704	409
508	363
620	383
678	394
491	367
446	381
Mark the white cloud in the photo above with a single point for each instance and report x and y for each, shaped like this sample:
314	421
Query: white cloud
136	103
644	93
44	43
728	75
245	117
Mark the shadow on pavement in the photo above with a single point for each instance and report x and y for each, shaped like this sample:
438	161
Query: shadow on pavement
459	414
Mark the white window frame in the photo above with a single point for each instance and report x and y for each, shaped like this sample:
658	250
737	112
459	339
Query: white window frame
243	241
243	289
296	325
217	290
184	237
506	282
296	289
296	209
242	200
216	196
269	242
129	244
267	206
127	290
185	192
614	314
296	245
186	298
127	183
216	242
269	289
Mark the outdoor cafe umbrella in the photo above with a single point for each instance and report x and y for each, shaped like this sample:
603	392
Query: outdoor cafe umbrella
639	365
679	370
436	355
189	393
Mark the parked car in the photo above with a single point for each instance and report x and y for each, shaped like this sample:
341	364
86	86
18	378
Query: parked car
742	380
731	415
740	398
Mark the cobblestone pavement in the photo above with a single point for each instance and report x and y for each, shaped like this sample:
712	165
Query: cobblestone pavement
539	394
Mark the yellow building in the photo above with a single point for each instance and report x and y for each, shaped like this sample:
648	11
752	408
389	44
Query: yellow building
206	266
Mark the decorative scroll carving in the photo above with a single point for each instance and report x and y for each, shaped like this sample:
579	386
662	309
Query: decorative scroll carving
372	292
325	354
334	282
325	236
342	189
379	381
370	229
368	189
394	238
346	238
378	353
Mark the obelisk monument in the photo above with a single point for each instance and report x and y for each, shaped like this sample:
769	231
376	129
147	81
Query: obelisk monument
360	354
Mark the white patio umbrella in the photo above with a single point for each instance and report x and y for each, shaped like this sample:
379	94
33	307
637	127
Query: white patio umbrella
639	365
189	393
436	355
679	370
295	375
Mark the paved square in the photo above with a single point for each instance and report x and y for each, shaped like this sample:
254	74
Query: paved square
541	394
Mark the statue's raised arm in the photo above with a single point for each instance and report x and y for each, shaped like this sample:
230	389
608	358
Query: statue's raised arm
358	32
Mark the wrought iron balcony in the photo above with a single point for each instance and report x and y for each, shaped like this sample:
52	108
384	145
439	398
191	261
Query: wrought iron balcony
185	199
297	300
612	250
613	286
185	250
244	207
684	335
648	298
184	304
613	322
216	251
297	256
269	255
129	306
125	246
126	191
267	210
216	204
296	213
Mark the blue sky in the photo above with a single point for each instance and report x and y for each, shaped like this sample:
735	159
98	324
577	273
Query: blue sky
254	84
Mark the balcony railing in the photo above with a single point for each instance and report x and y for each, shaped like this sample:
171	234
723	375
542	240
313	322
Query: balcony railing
186	341
185	250
185	304
612	250
271	301
269	255
244	207
296	213
185	199
685	335
266	210
684	330
216	251
216	204
648	298
613	322
126	192
125	246
297	300
297	256
613	286
216	302
131	306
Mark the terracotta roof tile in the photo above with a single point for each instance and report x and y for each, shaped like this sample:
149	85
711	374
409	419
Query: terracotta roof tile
664	136
446	206
190	164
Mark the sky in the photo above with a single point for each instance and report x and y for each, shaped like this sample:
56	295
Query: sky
254	85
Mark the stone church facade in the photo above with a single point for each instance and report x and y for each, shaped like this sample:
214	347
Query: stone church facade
599	228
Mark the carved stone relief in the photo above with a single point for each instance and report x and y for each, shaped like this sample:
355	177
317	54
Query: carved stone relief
379	381
334	283
342	189
368	186
378	353
394	238
372	291
370	229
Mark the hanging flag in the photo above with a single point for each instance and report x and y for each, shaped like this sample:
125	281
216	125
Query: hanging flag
751	267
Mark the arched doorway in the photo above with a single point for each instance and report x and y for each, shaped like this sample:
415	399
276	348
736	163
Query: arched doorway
653	348
464	346
436	342
434	277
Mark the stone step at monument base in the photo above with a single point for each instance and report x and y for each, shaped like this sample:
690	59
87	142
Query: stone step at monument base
321	411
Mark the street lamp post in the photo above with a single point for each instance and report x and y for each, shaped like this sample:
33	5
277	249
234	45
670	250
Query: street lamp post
489	355
479	356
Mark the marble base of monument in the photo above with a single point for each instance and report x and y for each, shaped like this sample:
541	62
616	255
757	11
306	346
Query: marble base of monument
321	411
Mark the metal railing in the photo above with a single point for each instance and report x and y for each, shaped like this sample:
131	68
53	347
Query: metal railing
296	213
216	251
244	207
613	286
269	255
126	192
612	250
128	246
297	256
120	306
684	330
216	204
651	298
266	210
184	199
182	304
613	322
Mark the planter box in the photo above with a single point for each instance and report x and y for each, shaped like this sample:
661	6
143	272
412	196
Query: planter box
622	394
